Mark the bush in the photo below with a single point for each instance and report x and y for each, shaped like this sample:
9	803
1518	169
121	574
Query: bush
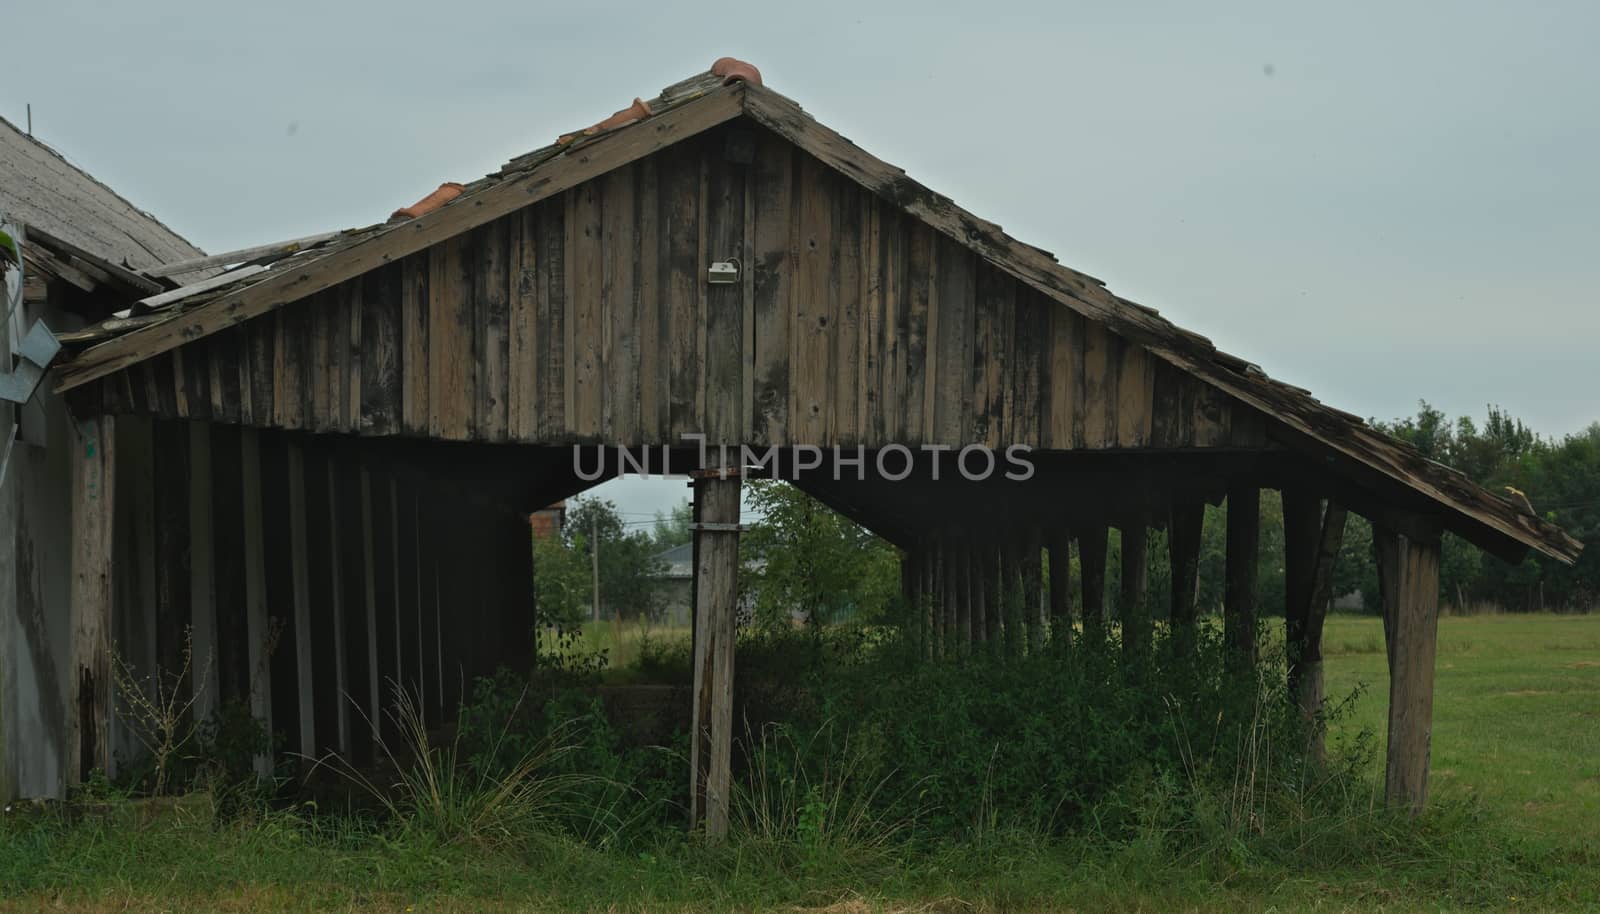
1054	743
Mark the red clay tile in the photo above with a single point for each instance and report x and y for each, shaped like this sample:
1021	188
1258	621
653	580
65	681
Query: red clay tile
637	111
447	191
732	70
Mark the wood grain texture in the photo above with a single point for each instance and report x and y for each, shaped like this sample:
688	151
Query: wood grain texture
1411	607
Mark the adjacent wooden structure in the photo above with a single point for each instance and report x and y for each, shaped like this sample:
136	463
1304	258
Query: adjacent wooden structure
398	395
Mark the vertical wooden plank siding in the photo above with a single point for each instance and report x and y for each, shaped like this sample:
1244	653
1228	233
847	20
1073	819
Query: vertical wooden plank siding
451	356
619	305
369	577
772	259
93	500
258	627
726	359
492	327
588	316
202	576
172	620
301	576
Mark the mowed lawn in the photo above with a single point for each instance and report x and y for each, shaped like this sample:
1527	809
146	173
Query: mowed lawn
1516	715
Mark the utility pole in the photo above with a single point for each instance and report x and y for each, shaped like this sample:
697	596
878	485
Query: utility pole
594	556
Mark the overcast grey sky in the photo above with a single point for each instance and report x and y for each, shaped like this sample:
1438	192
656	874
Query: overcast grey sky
1378	201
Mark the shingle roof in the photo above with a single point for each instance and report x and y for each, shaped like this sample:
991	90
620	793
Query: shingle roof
41	189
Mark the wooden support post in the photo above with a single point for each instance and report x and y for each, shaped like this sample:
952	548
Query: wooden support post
1242	571
1092	565
980	571
300	562
960	612
1184	524
369	587
258	628
950	593
93	519
927	610
1132	602
1409	577
1060	588
1011	595
716	585
1311	544
908	587
1033	590
171	455
993	600
202	574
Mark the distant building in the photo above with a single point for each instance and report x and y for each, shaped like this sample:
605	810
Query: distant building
676	583
548	521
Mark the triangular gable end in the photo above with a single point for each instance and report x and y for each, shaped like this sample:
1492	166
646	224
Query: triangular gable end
597	402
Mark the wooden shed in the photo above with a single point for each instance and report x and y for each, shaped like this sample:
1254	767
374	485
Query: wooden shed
335	441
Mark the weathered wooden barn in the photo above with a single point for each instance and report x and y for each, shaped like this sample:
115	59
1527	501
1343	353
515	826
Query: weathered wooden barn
83	250
330	445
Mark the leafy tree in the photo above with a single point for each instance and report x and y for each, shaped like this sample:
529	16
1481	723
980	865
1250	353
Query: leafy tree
629	571
1561	479
672	527
802	555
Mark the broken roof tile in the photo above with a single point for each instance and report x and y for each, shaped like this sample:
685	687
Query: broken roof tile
637	111
447	191
732	69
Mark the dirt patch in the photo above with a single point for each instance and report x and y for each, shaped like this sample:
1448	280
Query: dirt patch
1583	665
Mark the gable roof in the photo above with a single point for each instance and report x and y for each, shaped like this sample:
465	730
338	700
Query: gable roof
1370	459
42	190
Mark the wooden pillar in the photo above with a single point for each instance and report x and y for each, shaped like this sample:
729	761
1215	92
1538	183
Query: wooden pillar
93	535
370	563
1060	588
343	633
1033	590
1240	587
964	597
1132	602
1012	598
1311	544
1409	578
1092	565
927	611
716	585
978	591
300	562
521	619
908	587
950	593
258	627
202	574
993	599
1184	524
171	454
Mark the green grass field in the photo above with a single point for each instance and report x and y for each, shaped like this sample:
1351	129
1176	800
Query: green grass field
1516	719
1516	756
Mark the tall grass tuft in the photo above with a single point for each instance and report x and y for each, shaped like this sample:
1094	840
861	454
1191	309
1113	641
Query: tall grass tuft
818	800
437	795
